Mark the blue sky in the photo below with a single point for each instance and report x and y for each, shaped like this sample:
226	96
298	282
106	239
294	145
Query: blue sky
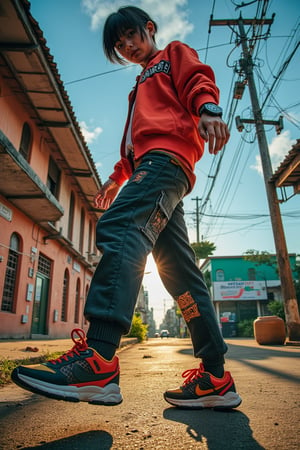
237	211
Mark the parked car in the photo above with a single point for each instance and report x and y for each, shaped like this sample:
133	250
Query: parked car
164	333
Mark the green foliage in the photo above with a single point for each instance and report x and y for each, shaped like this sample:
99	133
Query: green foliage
8	365
207	278
138	328
277	309
259	258
203	249
245	328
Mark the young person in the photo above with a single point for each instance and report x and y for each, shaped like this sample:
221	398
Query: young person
173	110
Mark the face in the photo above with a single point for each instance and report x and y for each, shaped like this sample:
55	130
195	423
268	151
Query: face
134	49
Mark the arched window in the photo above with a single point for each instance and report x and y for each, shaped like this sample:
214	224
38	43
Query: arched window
64	305
77	302
11	273
53	177
26	139
90	237
71	216
81	237
220	275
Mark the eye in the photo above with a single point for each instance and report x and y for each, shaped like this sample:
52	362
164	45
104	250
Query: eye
119	46
130	33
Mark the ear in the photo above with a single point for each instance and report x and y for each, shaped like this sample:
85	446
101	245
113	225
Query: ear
151	28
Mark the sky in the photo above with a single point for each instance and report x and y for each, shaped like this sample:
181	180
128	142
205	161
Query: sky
235	216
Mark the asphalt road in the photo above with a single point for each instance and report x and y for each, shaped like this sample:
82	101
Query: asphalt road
267	378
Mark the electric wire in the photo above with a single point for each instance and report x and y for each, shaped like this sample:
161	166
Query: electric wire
219	204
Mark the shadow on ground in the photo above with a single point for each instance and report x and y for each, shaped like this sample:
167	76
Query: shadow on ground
217	430
91	440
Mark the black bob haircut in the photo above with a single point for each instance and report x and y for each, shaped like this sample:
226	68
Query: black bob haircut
116	24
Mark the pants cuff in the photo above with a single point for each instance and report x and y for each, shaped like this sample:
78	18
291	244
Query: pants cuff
105	331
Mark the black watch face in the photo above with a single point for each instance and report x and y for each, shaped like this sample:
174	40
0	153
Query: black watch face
214	109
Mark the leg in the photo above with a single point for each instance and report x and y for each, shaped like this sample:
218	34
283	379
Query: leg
126	234
182	278
207	386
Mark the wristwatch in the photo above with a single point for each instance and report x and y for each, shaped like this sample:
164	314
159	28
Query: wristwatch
211	109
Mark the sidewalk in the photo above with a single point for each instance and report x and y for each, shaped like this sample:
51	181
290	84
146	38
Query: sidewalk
20	349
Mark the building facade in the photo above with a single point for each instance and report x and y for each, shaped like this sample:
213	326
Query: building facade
241	289
47	184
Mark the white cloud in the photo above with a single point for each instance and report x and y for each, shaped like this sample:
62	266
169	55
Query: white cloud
89	134
279	148
170	15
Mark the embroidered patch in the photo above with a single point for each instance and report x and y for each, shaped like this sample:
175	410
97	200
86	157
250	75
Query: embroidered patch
161	66
191	313
184	300
188	306
158	222
138	177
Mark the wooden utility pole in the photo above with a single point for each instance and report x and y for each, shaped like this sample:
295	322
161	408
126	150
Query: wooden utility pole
285	273
197	219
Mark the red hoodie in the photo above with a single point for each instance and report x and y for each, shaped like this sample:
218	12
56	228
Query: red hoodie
168	95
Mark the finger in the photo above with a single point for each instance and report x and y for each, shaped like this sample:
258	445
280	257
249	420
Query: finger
97	200
211	138
221	137
202	132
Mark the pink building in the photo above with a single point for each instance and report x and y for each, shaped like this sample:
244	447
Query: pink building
47	183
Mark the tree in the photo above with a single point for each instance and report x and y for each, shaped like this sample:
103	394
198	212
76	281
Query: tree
203	249
138	328
260	258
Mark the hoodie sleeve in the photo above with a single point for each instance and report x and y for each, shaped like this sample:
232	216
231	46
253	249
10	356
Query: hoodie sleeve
122	171
193	80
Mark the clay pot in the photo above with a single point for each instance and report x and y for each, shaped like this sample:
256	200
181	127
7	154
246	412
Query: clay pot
269	330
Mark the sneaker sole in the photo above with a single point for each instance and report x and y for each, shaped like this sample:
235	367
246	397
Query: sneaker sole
229	400
109	395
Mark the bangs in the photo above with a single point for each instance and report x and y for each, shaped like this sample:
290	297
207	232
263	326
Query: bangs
117	24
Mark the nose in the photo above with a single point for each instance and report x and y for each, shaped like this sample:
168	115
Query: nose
128	43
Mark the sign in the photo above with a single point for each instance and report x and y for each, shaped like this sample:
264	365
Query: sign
5	212
240	290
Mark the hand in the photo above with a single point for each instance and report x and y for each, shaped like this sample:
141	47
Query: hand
104	198
214	131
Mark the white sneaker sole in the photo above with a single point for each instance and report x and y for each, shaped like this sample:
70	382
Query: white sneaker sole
109	395
227	401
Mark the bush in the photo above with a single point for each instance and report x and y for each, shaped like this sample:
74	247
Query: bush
245	328
138	328
277	309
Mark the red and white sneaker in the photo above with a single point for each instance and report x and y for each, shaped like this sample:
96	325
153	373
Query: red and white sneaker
202	390
81	374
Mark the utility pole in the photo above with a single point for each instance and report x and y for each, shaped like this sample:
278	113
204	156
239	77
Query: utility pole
197	219
285	273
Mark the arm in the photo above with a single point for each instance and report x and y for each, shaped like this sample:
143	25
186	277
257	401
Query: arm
195	85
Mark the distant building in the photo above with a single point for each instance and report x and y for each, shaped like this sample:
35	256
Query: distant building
47	184
242	289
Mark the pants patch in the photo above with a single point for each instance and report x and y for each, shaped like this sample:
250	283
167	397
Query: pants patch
158	219
188	306
138	177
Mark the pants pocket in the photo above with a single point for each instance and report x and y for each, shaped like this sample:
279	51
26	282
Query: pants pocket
158	219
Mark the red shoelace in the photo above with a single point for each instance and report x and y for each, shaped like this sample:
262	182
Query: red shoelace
191	374
79	338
